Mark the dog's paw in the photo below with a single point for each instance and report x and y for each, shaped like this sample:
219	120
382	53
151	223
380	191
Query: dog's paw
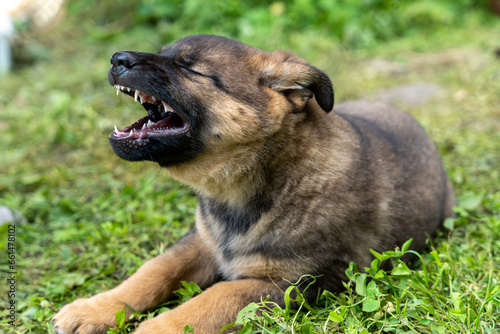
161	324
85	316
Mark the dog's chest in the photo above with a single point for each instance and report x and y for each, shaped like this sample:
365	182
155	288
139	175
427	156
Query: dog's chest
243	245
227	231
235	238
232	228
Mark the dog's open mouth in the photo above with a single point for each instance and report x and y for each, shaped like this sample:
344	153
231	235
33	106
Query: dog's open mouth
162	119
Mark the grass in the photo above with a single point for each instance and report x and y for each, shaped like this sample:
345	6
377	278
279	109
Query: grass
92	219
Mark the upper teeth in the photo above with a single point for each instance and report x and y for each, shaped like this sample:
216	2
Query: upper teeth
167	107
143	98
120	87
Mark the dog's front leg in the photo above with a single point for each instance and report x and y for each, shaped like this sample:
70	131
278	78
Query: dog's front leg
214	308
188	260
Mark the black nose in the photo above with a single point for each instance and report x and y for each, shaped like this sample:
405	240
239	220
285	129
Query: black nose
122	61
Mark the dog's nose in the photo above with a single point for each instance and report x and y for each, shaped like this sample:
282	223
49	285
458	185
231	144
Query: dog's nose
122	61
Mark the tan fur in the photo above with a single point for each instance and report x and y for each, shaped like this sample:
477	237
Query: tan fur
207	311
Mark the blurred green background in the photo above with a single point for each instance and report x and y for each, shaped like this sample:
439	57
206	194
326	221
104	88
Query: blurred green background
91	219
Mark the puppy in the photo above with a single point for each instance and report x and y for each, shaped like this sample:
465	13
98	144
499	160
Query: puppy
287	186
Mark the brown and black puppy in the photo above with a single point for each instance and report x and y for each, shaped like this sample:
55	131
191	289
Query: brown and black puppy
286	186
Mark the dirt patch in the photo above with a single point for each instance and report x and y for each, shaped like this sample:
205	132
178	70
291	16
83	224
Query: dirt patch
413	94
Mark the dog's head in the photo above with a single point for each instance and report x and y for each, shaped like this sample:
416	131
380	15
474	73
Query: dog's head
204	91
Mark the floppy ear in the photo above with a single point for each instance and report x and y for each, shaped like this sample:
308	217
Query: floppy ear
296	78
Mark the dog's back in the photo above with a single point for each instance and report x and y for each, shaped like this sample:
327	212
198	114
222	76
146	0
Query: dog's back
399	154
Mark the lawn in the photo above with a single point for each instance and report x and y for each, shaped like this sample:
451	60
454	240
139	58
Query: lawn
91	219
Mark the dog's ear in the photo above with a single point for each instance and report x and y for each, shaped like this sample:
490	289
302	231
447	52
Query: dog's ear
294	77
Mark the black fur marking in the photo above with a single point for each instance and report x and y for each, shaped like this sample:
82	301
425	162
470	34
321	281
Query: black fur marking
236	220
156	75
233	221
166	151
218	83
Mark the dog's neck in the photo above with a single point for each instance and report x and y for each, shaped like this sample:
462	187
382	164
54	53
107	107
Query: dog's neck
230	177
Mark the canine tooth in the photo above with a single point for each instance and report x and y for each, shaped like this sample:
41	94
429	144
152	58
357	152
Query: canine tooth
136	94
116	129
128	89
140	98
150	123
117	90
167	107
144	126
